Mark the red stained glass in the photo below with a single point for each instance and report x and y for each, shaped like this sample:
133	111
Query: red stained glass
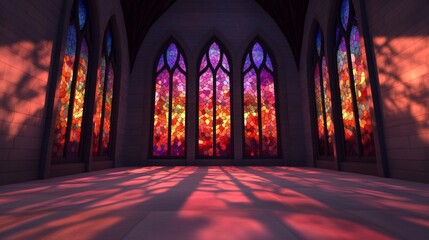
223	114
268	114
169	126
362	89
205	105
104	100
178	114
328	106
107	111
161	114
214	129
79	101
64	93
251	115
319	111
99	92
349	123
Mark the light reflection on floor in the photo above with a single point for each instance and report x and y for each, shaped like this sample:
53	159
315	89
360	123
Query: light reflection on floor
215	203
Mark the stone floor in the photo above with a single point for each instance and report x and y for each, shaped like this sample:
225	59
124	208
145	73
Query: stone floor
215	203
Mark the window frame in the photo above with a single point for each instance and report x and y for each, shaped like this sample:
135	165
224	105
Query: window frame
81	34
111	61
205	52
317	59
274	73
155	74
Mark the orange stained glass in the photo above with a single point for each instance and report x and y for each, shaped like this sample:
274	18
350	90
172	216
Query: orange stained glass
99	92
64	93
348	117
319	111
178	114
251	116
362	89
205	105
268	114
161	114
79	101
328	106
223	113
108	111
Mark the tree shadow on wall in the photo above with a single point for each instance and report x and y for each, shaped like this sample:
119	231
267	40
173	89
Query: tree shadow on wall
404	95
25	69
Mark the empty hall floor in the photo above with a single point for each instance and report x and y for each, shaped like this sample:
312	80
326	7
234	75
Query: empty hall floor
215	203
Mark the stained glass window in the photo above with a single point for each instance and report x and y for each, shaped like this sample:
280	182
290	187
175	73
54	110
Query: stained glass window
169	120
259	100
103	98
323	104
72	86
354	85
214	103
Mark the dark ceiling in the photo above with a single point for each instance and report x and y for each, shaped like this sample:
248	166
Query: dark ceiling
141	14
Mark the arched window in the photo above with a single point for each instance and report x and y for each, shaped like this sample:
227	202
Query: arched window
354	85
104	97
322	99
214	103
72	86
259	102
169	112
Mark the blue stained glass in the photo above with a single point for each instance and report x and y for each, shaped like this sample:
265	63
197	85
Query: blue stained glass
246	63
319	41
182	63
83	12
109	42
214	54
172	55
269	63
225	63
257	54
71	41
345	12
160	63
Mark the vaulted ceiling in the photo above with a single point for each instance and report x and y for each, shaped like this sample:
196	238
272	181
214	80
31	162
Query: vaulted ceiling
141	14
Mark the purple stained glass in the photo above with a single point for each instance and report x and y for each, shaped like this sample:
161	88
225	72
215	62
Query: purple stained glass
160	63
246	63
172	55
214	54
225	63
257	54
269	63
268	114
109	42
83	12
345	12
182	63
319	41
203	63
